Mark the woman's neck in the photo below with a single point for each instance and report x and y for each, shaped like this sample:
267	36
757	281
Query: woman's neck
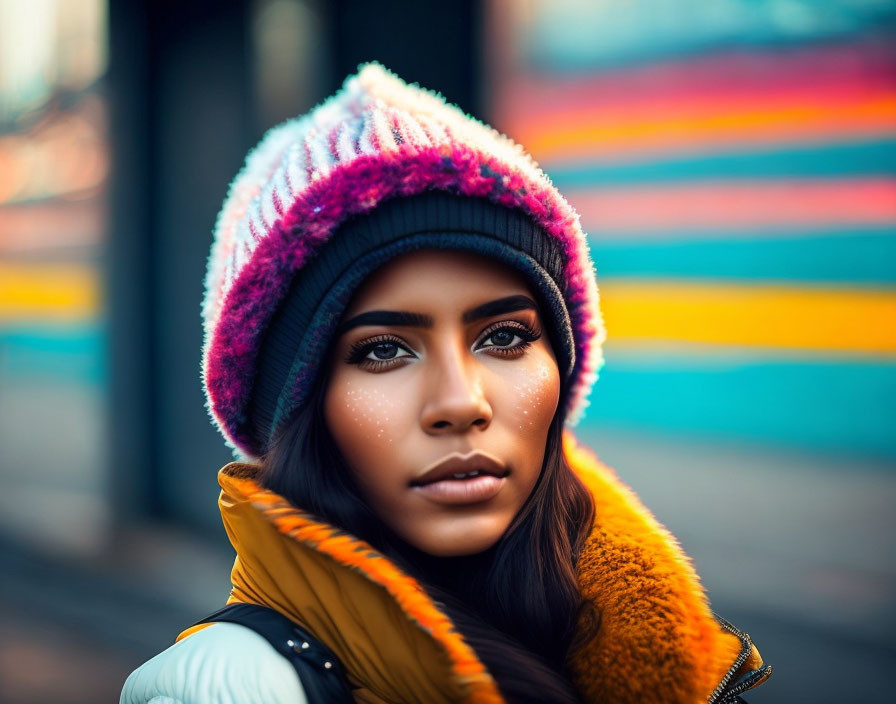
464	576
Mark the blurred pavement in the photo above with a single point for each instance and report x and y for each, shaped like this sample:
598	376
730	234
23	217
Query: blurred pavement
773	535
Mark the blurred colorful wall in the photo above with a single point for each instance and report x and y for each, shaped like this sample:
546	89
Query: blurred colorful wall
53	205
733	161
734	165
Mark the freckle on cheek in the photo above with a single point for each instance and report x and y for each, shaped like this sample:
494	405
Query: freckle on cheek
370	410
530	393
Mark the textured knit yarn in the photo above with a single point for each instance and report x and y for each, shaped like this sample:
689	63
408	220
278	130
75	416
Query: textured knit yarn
376	139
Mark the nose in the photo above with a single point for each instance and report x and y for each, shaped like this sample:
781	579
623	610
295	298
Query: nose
455	398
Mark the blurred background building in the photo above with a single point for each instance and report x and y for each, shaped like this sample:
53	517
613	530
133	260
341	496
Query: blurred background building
734	163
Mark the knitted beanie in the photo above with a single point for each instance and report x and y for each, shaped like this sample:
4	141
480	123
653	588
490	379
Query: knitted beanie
378	169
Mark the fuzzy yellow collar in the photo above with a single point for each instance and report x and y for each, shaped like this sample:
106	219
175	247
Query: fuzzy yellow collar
658	640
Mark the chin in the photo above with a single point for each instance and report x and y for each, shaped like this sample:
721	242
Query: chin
456	541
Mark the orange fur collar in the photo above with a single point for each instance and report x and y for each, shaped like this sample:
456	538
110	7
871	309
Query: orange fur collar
658	640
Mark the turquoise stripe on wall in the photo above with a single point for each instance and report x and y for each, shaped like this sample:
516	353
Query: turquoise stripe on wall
865	256
581	37
74	354
876	158
829	405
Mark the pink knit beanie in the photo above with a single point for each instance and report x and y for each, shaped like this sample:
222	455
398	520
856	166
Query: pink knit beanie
375	140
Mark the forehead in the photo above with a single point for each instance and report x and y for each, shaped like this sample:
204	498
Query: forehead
432	275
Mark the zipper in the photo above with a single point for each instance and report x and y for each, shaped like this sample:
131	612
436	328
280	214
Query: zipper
753	679
725	693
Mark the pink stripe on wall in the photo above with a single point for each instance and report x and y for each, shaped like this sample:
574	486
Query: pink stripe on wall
862	67
738	205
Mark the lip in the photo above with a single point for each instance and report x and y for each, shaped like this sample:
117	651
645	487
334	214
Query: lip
437	484
461	492
456	463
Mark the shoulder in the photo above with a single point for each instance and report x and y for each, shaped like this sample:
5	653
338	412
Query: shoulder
223	663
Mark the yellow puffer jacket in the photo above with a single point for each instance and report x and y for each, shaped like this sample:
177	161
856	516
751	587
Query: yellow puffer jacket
658	640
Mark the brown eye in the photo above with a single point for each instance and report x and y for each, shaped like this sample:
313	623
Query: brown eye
504	334
502	338
384	350
377	352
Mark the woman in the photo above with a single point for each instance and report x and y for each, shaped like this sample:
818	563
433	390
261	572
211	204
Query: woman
401	323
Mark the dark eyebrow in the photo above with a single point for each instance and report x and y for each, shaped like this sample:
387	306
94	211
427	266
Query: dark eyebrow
402	318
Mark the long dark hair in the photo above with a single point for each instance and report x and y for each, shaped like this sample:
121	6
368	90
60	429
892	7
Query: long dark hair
516	604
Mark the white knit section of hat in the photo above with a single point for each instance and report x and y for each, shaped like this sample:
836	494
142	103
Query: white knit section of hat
372	113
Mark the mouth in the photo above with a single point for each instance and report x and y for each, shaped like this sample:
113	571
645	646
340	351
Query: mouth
462	479
458	467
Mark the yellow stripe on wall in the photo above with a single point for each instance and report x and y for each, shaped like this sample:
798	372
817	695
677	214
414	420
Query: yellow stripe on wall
54	292
794	317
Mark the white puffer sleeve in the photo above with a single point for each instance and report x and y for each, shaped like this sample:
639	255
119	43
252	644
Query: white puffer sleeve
224	663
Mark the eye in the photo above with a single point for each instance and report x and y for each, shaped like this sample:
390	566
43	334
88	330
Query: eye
377	352
503	335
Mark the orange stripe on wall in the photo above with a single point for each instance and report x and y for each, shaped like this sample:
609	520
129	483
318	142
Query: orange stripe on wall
730	205
520	113
581	137
778	316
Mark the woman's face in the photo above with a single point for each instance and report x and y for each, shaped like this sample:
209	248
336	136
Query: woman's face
442	367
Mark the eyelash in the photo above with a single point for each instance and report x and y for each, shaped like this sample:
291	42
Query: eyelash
359	350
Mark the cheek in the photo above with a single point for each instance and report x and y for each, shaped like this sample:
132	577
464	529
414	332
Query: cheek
532	396
364	420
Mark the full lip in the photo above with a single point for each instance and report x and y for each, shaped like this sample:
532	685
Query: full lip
457	463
